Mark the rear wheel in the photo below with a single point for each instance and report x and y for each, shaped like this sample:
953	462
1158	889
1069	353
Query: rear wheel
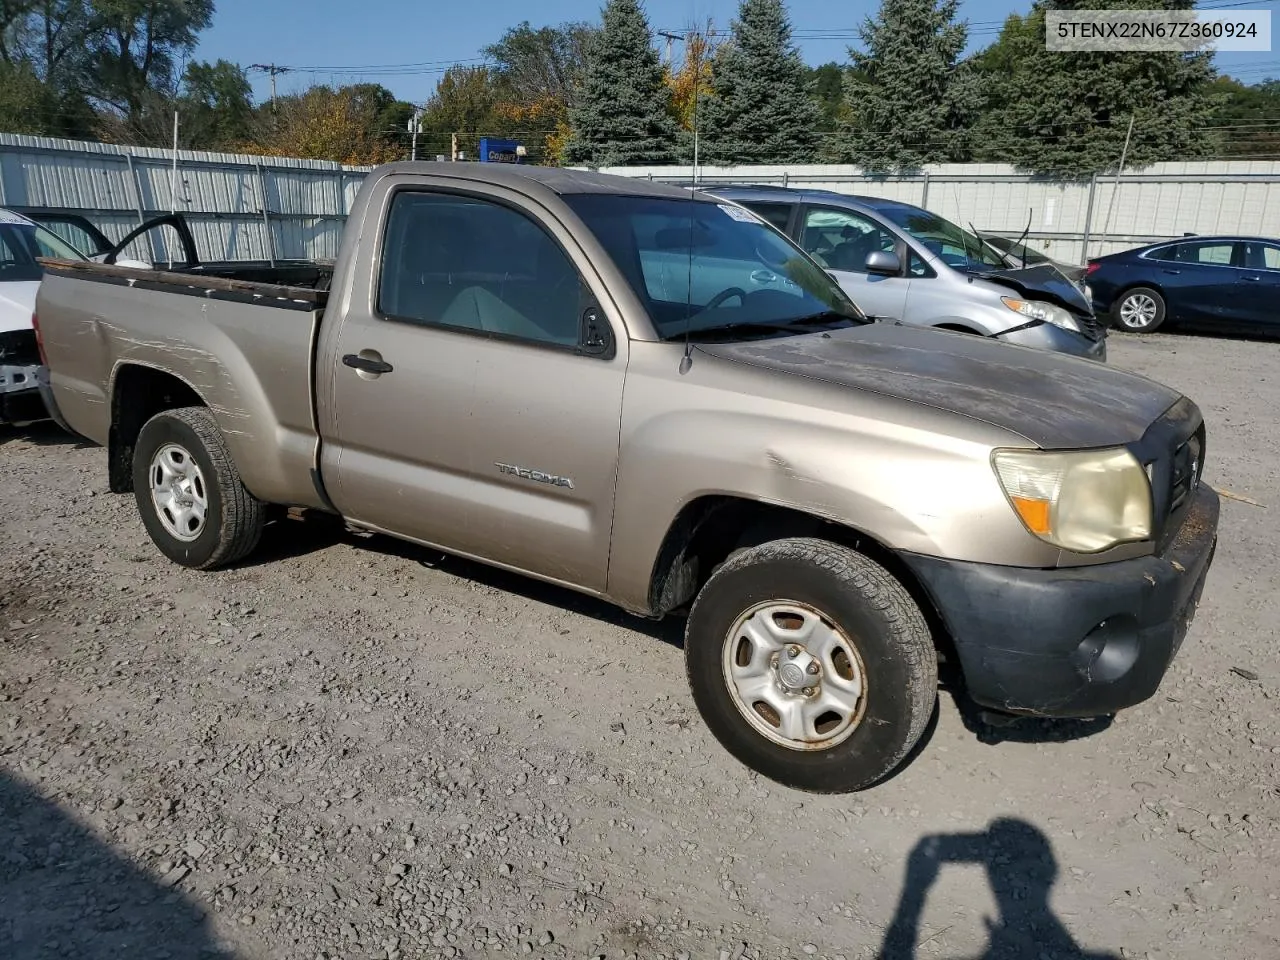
1140	310
811	664
189	493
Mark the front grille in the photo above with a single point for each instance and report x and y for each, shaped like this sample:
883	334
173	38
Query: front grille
18	348
1185	475
1173	451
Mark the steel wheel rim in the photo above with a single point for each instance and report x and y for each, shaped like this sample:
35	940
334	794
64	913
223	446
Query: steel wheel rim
795	676
179	492
1137	311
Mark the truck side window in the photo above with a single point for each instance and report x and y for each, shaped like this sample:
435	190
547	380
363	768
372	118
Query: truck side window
473	264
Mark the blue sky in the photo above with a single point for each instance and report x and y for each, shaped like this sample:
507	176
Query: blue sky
405	44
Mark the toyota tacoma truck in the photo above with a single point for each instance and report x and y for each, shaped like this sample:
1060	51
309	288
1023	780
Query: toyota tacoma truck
649	396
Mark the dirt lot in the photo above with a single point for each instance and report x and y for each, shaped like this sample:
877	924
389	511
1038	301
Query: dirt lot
356	749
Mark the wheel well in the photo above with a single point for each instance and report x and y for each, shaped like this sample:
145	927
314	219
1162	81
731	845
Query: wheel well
710	529
138	395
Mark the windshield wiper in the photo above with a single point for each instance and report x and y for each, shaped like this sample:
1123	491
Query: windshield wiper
796	325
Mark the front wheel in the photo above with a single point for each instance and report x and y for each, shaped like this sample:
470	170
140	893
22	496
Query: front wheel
1140	310
189	492
811	664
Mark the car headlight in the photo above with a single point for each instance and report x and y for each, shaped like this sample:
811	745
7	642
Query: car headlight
1083	501
1039	310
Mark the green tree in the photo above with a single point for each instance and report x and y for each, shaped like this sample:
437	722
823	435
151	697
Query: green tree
465	103
137	45
537	73
623	114
1247	119
23	99
761	108
1066	114
827	83
910	98
216	106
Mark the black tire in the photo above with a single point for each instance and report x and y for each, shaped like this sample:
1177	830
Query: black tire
1138	321
874	611
233	519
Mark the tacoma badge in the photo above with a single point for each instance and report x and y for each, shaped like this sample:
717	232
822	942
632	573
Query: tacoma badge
538	475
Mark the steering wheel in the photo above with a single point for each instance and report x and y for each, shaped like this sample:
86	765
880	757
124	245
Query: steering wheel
726	294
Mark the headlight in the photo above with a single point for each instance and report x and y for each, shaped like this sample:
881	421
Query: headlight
1083	501
1039	310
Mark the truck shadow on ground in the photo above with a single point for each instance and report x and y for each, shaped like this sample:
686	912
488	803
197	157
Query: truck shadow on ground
993	729
42	433
63	893
1021	869
287	538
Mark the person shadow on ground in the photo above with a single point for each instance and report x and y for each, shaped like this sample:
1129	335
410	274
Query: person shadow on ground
1021	869
65	894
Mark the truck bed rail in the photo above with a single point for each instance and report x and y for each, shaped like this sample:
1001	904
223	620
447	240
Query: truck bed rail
198	284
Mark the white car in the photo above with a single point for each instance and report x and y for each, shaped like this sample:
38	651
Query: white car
22	241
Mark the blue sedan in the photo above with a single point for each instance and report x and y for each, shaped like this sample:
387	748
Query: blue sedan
1230	284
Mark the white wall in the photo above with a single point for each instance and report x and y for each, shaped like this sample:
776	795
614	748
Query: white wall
1164	200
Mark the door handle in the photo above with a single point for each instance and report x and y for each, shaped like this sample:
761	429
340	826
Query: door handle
1251	279
1174	272
764	276
367	364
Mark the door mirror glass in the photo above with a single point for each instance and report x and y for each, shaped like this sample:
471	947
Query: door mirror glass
884	262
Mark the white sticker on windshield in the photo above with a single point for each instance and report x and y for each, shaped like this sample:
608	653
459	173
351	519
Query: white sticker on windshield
738	213
8	216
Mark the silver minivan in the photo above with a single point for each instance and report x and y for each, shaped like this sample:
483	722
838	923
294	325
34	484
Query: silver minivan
901	262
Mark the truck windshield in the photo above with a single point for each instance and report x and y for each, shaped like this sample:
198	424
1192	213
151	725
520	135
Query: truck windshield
955	247
702	267
21	243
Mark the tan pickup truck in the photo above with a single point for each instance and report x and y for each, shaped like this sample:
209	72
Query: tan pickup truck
651	396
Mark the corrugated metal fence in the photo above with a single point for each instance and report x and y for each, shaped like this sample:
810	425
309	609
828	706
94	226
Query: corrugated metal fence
239	207
1069	220
269	208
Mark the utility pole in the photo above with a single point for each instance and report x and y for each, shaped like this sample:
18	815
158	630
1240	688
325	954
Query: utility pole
670	37
1115	187
415	127
273	71
453	148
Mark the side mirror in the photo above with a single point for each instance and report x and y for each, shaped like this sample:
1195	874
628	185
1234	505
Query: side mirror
596	336
884	262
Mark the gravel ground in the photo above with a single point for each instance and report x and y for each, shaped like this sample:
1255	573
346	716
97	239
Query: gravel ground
355	749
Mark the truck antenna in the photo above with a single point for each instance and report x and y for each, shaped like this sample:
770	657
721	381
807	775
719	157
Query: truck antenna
687	360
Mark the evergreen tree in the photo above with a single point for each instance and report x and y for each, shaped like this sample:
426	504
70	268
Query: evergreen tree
910	100
623	112
762	107
1066	114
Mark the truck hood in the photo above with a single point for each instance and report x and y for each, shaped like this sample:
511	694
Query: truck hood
1042	281
17	303
1054	401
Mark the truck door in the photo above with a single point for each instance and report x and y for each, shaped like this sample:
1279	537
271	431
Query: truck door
476	400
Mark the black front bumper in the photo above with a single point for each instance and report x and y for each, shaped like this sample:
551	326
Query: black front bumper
1074	641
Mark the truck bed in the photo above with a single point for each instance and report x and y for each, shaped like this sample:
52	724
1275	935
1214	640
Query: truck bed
241	347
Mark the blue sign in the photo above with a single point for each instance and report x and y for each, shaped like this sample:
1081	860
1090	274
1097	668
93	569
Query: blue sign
493	150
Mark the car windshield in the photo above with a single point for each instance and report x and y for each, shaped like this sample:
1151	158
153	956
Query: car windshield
955	247
700	266
21	243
